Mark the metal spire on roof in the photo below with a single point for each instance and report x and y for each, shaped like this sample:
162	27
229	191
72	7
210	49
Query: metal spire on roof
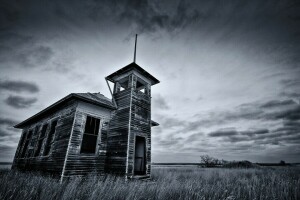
134	58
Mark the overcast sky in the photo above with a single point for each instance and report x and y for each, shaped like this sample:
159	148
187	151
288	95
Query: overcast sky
229	70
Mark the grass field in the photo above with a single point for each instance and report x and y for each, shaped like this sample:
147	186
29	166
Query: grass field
166	183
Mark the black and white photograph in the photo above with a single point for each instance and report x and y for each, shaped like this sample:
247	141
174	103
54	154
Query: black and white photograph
150	100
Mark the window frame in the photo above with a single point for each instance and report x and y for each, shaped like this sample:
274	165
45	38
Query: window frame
47	142
27	141
98	135
33	141
41	140
21	143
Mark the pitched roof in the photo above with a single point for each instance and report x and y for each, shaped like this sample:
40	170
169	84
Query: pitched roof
94	98
132	66
97	98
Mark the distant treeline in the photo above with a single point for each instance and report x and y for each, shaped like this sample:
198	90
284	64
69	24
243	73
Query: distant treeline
202	164
6	163
177	164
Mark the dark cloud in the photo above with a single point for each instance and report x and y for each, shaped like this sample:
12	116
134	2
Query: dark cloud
250	111
286	112
255	132
273	110
142	15
8	14
22	50
20	102
18	49
278	103
295	139
290	127
279	138
4	132
6	127
237	138
26	54
290	114
18	86
223	132
288	83
36	56
7	121
149	17
281	135
160	102
290	94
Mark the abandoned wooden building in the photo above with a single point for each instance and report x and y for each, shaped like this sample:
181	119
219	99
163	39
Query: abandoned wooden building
89	133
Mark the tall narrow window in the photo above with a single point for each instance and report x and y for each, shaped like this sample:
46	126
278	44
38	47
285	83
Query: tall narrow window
90	135
28	138
33	141
21	144
50	138
41	140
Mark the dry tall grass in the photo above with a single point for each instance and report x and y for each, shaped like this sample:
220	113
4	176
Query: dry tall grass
166	183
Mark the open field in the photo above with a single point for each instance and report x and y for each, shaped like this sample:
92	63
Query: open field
166	183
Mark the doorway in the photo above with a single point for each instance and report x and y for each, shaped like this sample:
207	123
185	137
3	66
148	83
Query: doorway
140	156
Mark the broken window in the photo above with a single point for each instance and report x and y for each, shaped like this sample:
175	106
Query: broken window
50	138
28	138
90	135
41	140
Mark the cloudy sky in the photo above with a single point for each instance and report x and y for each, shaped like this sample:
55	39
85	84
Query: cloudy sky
229	70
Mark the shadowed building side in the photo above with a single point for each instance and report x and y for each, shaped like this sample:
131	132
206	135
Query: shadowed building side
50	138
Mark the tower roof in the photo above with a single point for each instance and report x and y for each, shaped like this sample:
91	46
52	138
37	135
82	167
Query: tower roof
131	67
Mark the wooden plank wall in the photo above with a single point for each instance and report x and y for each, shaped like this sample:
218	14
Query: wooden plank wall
140	126
52	163
81	164
131	119
114	153
117	138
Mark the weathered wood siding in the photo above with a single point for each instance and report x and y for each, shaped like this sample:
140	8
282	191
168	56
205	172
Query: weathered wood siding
117	138
131	119
79	163
115	147
53	162
140	126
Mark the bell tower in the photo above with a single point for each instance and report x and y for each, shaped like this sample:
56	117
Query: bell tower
129	135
